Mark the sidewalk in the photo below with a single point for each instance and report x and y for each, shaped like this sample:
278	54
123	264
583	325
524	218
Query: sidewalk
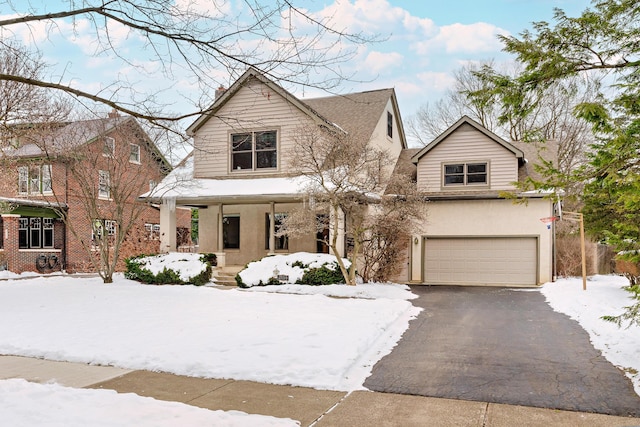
319	408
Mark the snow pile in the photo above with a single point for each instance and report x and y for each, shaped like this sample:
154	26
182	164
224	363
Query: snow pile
259	272
604	296
28	404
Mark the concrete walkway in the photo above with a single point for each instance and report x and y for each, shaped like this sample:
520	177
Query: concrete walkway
310	407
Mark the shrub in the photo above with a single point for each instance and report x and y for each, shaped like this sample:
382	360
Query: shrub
137	269
322	276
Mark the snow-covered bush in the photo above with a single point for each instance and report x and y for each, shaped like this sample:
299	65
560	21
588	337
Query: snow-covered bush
171	268
300	267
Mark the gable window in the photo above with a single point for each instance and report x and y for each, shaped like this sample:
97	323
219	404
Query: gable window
254	150
134	156
389	125
282	242
34	179
231	232
109	147
104	185
465	174
35	233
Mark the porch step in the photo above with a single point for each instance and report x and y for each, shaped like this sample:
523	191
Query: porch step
225	276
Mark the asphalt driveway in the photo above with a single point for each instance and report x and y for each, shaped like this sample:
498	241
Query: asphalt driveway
501	345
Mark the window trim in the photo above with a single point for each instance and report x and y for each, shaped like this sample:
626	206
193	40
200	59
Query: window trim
136	160
27	179
465	174
254	151
26	226
104	191
108	146
389	124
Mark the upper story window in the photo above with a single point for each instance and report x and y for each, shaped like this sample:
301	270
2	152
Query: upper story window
134	156
104	185
254	150
389	125
465	174
109	147
34	179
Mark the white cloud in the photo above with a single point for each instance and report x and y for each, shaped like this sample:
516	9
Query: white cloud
376	62
479	37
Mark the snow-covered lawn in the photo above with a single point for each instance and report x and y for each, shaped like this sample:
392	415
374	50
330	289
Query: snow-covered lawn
310	340
604	296
327	337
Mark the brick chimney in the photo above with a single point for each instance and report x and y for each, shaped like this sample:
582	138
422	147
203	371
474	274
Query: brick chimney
113	114
220	91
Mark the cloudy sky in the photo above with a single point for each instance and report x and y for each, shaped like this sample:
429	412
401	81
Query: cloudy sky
423	42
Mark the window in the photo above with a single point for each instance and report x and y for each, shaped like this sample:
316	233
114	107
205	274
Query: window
104	185
134	156
282	242
231	232
35	233
109	147
153	231
465	174
34	179
254	150
152	184
389	125
102	228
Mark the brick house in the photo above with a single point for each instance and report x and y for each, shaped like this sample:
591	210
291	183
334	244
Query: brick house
89	172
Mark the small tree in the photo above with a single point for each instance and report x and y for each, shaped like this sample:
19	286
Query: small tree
346	182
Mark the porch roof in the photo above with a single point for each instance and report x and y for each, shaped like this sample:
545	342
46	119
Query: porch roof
180	186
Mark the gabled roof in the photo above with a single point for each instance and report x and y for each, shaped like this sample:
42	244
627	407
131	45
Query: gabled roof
63	138
249	75
359	113
355	113
466	120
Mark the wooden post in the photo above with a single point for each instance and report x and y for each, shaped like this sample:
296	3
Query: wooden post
578	217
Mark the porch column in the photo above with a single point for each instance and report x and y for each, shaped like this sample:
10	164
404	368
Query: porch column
272	229
168	225
220	255
220	228
11	242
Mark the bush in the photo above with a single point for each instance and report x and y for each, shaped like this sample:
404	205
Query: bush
137	269
300	268
321	276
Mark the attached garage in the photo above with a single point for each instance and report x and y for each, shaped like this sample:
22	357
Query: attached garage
481	260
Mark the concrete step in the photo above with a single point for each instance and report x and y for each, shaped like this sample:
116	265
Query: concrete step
224	278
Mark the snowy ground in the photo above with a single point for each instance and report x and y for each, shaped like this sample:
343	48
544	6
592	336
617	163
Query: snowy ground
285	335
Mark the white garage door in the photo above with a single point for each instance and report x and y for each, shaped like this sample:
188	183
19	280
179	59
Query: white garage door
481	261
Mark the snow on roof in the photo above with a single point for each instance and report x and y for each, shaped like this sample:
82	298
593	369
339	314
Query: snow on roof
180	184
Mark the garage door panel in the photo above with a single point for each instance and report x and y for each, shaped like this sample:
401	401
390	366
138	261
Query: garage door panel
477	261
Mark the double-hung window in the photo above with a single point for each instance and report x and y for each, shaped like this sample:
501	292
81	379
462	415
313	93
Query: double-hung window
109	147
104	185
466	174
254	150
134	153
35	179
35	233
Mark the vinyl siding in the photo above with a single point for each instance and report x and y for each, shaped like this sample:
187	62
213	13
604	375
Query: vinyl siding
468	145
260	109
